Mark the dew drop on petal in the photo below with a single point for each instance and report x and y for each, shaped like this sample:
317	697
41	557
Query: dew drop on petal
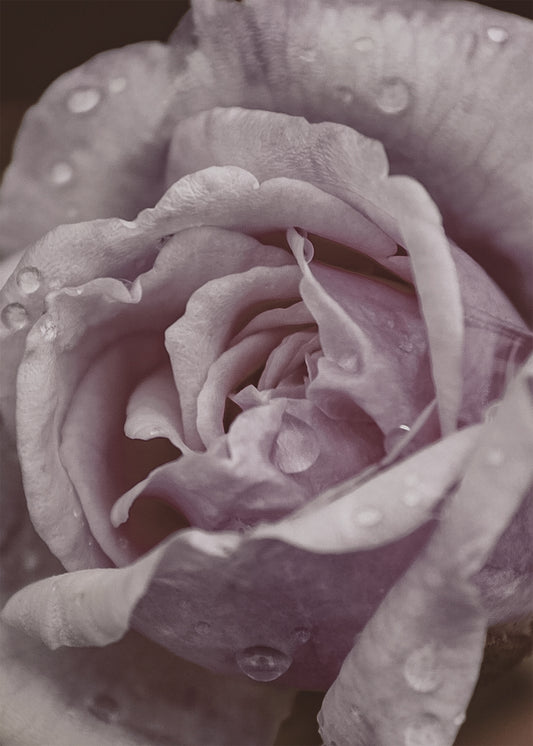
425	732
28	280
495	457
14	316
76	512
420	669
406	345
459	719
393	96
61	173
262	663
202	628
301	634
117	85
49	330
83	99
104	708
497	34
364	44
296	447
369	517
344	94
393	437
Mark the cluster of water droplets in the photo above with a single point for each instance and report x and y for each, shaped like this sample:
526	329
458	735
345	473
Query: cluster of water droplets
15	316
80	102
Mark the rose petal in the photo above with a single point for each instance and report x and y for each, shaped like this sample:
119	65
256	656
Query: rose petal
426	669
373	67
154	409
131	693
437	286
373	335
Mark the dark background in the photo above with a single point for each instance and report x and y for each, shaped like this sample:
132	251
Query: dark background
40	39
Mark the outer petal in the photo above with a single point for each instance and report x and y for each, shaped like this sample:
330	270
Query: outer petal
113	109
130	694
458	120
416	680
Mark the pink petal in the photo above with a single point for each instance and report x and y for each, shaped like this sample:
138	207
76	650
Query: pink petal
416	679
456	121
154	409
437	286
213	312
130	693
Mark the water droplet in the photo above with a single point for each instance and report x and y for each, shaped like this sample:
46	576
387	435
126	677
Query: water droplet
497	34
76	512
202	628
426	732
308	54
83	100
31	561
262	663
390	323
393	437
364	44
104	708
49	330
393	96
406	345
369	517
301	634
14	316
350	363
61	173
28	280
495	457
117	85
459	719
345	94
412	498
296	447
420	669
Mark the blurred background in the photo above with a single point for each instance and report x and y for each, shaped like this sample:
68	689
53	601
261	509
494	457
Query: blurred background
39	40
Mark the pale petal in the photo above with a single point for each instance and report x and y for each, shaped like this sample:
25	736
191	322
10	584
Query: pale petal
154	409
459	121
416	679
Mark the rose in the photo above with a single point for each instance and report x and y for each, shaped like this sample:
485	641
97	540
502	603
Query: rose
332	385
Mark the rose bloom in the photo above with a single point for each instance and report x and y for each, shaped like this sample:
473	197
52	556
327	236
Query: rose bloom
265	359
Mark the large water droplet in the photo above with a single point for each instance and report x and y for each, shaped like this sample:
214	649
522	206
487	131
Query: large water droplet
393	96
394	436
364	44
420	669
28	280
117	85
426	732
497	34
14	316
345	94
104	707
61	173
83	99
262	663
296	447
369	517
